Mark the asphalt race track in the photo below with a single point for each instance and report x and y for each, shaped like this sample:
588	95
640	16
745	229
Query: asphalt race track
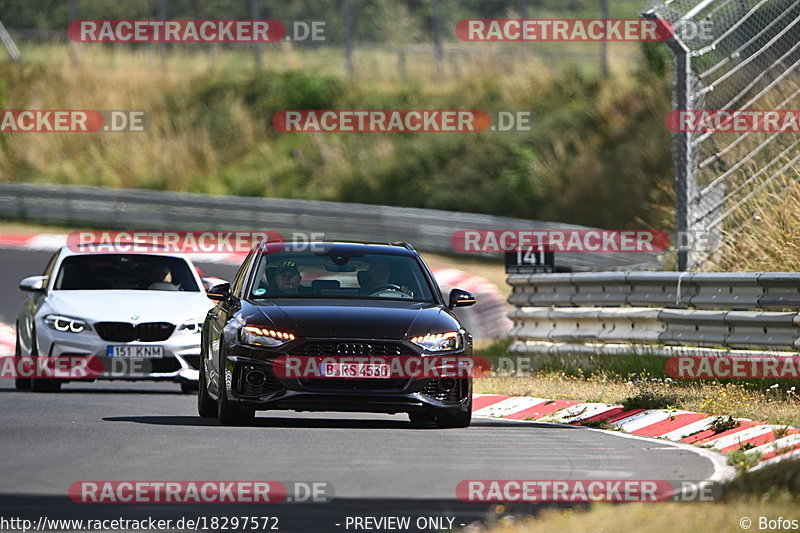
376	465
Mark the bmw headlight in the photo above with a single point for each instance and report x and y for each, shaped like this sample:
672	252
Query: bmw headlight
192	326
264	336
66	324
440	342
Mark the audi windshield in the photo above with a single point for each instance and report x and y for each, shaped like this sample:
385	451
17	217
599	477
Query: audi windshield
315	275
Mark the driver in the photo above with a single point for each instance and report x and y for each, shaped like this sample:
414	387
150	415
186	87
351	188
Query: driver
160	278
378	275
162	273
287	279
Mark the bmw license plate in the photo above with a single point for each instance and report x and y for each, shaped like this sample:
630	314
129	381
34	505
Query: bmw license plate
136	352
355	370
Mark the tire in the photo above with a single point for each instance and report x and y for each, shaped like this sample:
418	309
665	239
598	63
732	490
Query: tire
45	385
206	405
42	384
462	419
421	419
20	383
229	413
189	387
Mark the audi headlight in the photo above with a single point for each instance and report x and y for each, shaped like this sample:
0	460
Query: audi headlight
192	326
66	324
440	342
264	337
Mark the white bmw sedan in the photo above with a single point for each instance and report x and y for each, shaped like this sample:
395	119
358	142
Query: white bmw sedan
134	315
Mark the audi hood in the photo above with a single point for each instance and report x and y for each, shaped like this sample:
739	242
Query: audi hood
357	319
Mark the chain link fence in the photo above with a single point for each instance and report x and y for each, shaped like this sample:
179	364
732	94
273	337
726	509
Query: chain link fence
405	39
731	55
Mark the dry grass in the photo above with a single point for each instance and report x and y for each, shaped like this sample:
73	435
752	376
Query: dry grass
771	492
377	64
772	404
706	517
770	240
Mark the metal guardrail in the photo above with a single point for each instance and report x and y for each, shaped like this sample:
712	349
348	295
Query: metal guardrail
773	291
427	229
660	313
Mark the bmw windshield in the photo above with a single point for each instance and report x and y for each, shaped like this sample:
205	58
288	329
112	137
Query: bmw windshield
125	271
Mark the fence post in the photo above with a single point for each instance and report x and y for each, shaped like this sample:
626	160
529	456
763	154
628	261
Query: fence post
163	48
347	14
683	152
255	14
437	35
11	47
401	64
74	48
684	168
604	43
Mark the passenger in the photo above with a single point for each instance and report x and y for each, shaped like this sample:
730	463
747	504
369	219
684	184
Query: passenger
287	279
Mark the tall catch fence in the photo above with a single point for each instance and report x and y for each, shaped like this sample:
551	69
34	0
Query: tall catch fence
731	55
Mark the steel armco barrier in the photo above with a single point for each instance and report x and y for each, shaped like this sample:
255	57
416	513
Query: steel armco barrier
660	313
430	230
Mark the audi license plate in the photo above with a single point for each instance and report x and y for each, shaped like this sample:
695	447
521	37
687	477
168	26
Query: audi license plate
355	370
136	352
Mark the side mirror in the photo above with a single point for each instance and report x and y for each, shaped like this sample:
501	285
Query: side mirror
220	293
33	284
210	283
459	298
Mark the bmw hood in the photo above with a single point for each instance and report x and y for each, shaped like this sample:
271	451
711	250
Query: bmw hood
124	305
355	320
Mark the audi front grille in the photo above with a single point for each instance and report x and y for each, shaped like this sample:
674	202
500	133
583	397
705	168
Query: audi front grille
352	348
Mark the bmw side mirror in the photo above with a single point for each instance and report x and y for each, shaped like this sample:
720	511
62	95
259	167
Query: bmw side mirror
220	293
33	284
459	298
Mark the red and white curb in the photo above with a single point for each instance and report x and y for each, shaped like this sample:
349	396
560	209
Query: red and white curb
770	443
8	339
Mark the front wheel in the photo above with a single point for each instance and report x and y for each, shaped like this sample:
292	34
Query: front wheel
462	419
45	385
20	383
421	419
229	413
42	384
206	405
189	387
